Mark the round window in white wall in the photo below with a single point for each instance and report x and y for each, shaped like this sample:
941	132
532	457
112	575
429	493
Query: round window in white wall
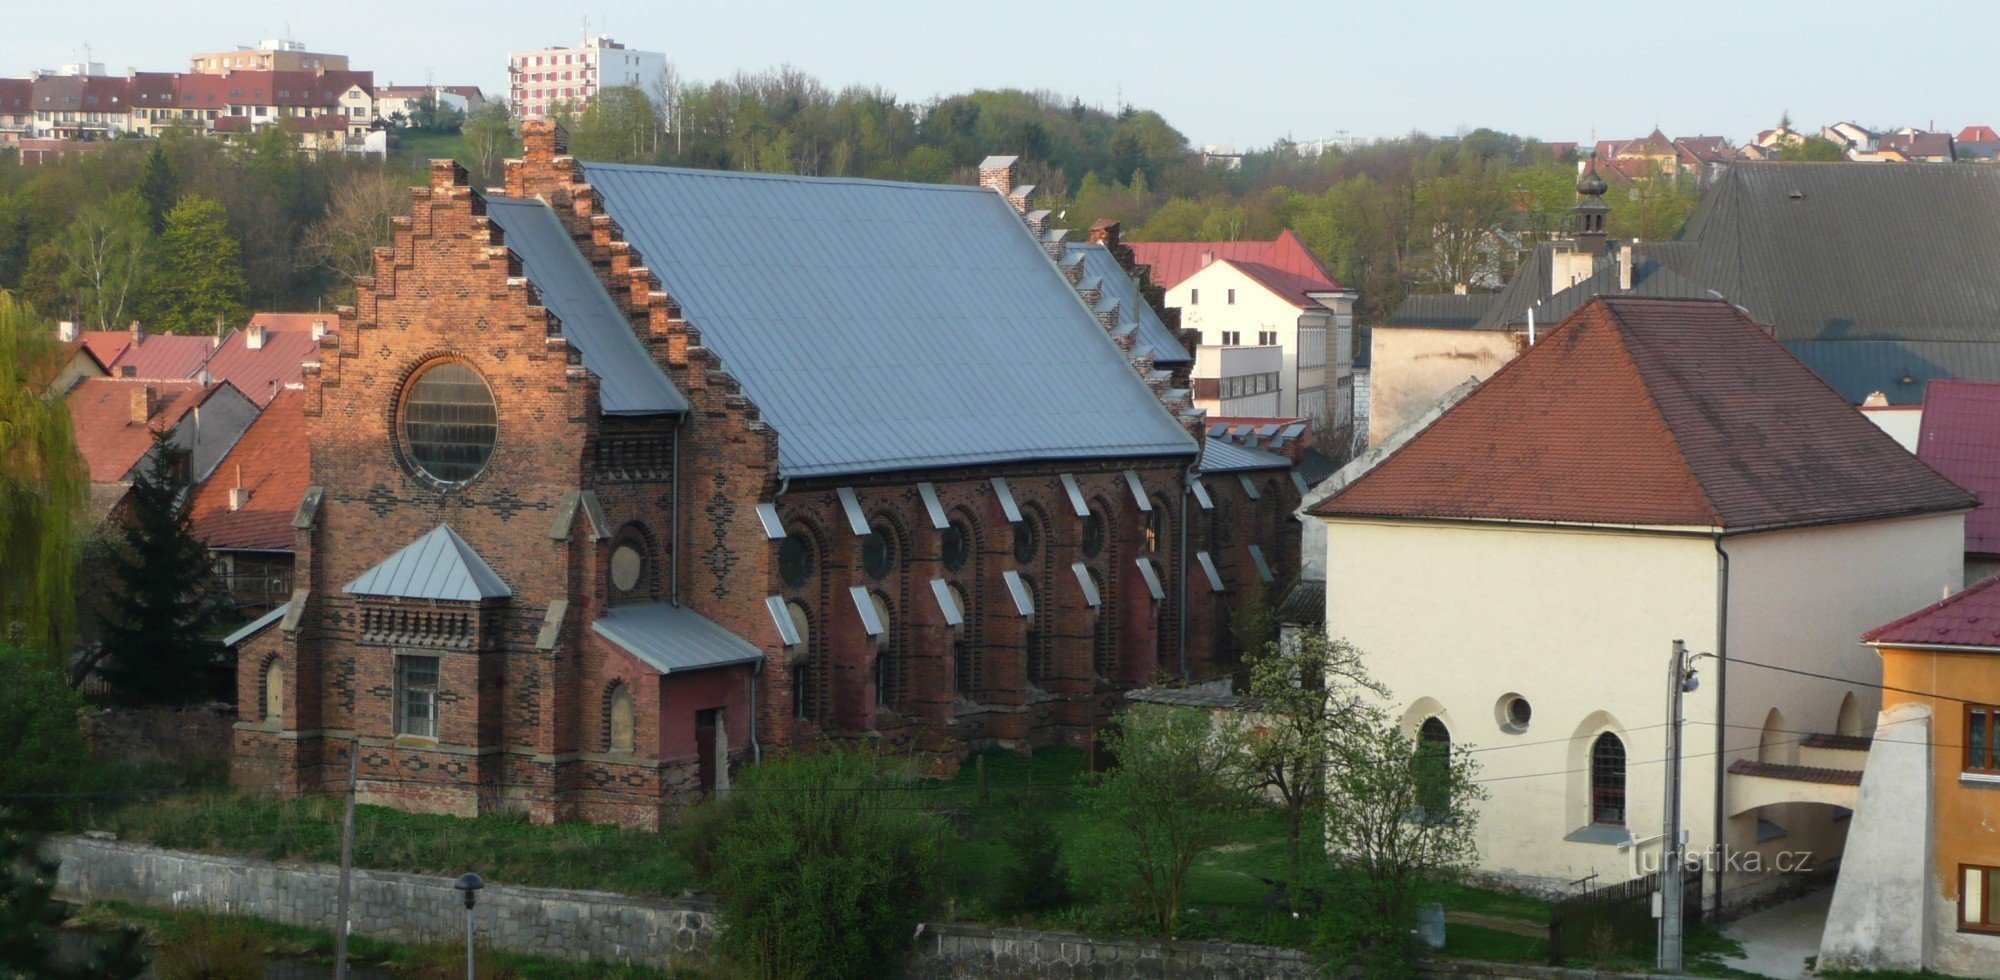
1514	713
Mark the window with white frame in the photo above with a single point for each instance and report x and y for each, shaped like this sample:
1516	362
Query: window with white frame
1267	338
417	696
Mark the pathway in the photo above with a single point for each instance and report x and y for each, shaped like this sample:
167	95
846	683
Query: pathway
1777	941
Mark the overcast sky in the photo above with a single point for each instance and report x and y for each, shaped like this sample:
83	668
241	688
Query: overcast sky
1257	72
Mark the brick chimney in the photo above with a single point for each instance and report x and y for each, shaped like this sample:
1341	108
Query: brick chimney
238	494
1105	231
545	164
138	333
999	173
144	402
318	330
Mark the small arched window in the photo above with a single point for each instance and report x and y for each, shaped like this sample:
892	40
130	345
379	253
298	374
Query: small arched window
955	546
1093	534
964	657
1432	767
1040	640
796	560
802	664
1027	540
618	718
274	691
878	552
1607	780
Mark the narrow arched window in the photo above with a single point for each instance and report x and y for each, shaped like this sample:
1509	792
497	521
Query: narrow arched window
274	692
1433	768
965	664
1607	780
618	711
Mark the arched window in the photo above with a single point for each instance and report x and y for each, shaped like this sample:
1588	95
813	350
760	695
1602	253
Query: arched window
448	422
955	545
630	565
964	656
878	551
274	691
1432	766
618	718
1093	533
1607	780
889	669
1850	720
1027	540
1774	743
1040	639
805	665
797	557
1104	632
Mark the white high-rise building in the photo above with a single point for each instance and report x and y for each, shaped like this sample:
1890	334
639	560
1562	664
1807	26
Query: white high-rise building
540	82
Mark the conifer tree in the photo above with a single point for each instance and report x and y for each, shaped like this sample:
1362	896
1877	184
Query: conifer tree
199	273
158	185
30	916
156	644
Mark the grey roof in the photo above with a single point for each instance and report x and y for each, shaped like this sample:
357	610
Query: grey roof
886	326
1304	603
1132	307
1529	289
1315	466
1446	311
631	382
255	626
1858	368
1194	697
439	565
672	639
1223	456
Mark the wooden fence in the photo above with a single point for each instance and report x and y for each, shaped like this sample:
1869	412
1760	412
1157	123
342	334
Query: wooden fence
1615	919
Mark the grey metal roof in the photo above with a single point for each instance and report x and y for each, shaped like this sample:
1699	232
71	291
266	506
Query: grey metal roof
630	381
672	639
1529	289
1304	603
1858	368
1223	456
255	626
1441	311
439	565
884	326
1132	308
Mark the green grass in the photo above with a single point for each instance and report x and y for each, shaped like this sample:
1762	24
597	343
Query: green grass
318	945
1469	942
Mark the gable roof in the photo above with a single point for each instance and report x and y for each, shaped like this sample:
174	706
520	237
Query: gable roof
1291	287
262	372
630	381
1173	262
1447	311
100	415
885	326
1969	618
273	459
1651	412
1960	438
151	355
1133	309
439	565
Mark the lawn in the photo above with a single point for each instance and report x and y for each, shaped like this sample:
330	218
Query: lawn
1234	892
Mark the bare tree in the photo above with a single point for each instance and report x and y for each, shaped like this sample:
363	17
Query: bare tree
357	221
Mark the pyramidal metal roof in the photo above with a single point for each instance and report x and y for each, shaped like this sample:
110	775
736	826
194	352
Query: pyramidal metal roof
886	326
439	565
630	381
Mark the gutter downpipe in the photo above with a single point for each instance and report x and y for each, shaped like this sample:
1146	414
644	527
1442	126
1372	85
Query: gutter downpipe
756	747
1721	706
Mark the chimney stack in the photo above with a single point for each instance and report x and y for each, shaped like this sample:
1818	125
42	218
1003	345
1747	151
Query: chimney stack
1105	232
318	330
254	337
238	494
66	331
138	333
999	173
144	401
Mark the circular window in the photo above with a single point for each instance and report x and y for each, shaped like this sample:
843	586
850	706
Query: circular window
955	546
877	558
1026	544
448	422
1514	713
626	564
795	561
1093	535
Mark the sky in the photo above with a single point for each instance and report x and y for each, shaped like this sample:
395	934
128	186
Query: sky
1260	72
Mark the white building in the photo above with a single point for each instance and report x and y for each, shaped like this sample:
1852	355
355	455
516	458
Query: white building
1236	382
543	81
1655	470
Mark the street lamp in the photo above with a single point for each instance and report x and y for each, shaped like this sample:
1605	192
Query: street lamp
470	884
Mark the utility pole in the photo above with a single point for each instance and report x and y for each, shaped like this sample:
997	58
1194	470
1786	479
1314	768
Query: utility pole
346	862
1680	680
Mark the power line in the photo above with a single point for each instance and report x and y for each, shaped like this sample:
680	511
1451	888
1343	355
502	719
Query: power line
1846	680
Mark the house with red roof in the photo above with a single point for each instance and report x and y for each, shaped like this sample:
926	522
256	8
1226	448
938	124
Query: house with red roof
269	354
1273	294
243	511
1959	436
1518	568
114	419
1919	886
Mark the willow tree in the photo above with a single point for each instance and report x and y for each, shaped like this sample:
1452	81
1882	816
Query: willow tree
43	487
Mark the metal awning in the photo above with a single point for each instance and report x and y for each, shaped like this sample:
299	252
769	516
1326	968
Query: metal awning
1299	481
1152	578
1083	581
1138	492
1007	504
1201	493
856	521
1208	568
933	506
673	639
255	626
781	617
1024	601
947	603
1263	567
865	605
1076	502
439	565
1249	486
773	527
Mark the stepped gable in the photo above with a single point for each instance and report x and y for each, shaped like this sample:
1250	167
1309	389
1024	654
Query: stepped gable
1653	412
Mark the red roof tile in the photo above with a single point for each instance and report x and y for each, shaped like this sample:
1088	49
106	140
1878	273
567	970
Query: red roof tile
262	373
1978	134
1960	438
1173	262
1643	411
273	463
158	356
1800	774
100	415
1969	618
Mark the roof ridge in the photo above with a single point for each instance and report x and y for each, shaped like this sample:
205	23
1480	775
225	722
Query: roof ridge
787	178
1965	594
1610	305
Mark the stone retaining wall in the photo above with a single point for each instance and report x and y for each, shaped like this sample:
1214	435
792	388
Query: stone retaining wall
962	952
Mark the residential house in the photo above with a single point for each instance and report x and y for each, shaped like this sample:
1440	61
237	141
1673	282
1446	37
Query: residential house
271	54
1653	470
1978	143
592	523
1702	158
17	113
399	102
114	419
1960	438
328	110
1919	885
243	511
269	354
549	80
1429	345
1265	294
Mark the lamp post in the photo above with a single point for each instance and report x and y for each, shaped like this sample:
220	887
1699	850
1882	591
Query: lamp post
470	884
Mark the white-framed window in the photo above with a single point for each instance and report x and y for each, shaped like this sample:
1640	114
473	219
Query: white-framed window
417	696
1232	338
1267	338
1232	297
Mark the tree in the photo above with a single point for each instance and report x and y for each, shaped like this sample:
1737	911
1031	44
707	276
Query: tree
1812	149
1400	818
30	917
1174	796
825	870
359	221
1037	879
105	253
156	645
617	126
1306	692
438	117
1455	213
199	276
158	187
1650	208
489	137
38	723
43	488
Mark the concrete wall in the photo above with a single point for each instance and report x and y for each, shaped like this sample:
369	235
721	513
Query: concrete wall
1413	368
1580	623
961	952
1876	921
